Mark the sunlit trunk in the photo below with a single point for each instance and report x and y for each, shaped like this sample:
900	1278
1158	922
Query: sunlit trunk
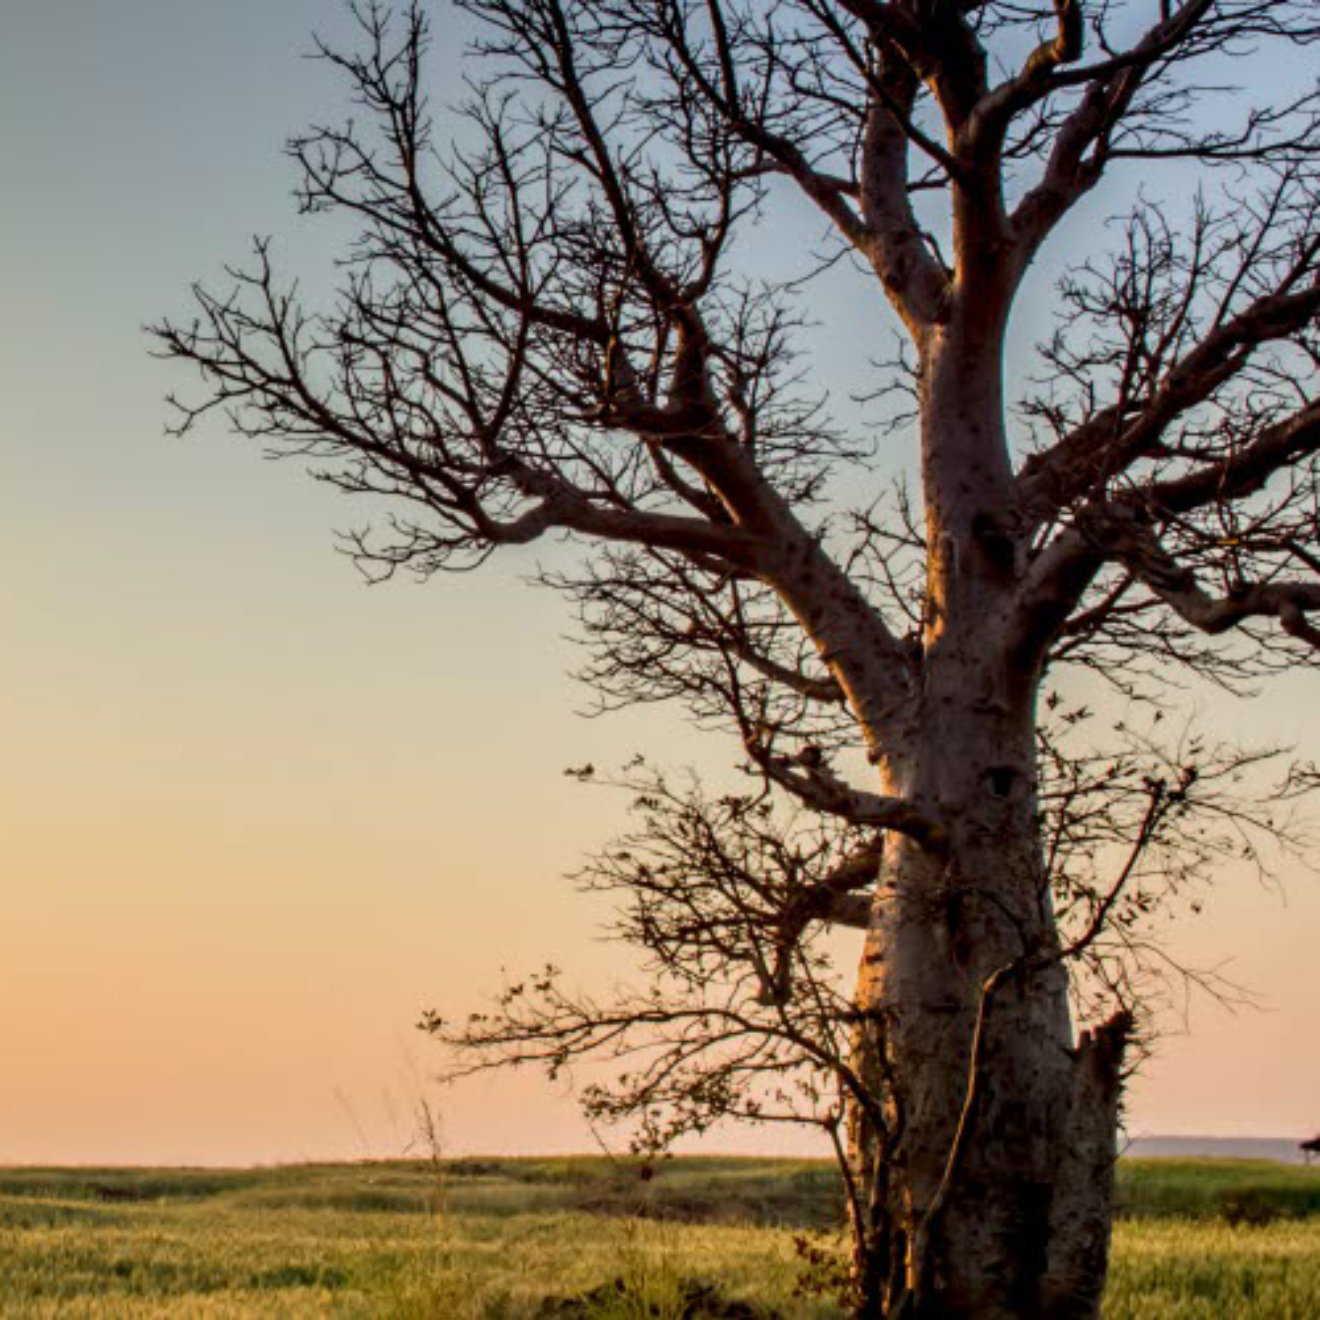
985	1188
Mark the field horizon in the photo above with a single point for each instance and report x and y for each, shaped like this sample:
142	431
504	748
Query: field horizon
1284	1150
519	1238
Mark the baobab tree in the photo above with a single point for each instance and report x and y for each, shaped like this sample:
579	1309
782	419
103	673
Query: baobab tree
726	900
553	322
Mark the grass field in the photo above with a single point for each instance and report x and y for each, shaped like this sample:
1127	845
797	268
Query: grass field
578	1237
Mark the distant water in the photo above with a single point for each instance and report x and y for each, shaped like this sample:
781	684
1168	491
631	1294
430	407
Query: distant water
1282	1149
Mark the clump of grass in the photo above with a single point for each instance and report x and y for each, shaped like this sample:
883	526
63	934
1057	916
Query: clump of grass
1251	1206
686	1299
649	1284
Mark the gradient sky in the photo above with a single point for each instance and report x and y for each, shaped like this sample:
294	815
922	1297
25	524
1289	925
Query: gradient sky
254	816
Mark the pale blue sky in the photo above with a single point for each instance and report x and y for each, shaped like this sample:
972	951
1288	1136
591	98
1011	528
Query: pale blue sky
253	815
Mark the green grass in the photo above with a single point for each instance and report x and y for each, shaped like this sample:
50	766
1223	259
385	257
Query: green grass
1205	1270
1203	1189
509	1239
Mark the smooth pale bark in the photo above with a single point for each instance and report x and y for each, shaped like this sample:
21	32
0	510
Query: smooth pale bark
1010	1214
986	1191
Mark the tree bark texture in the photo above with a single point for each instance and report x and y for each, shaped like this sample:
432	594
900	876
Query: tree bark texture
986	1182
986	1187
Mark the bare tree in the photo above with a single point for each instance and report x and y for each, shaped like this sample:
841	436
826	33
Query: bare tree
552	321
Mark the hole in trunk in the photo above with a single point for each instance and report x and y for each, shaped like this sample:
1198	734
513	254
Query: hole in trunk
1001	779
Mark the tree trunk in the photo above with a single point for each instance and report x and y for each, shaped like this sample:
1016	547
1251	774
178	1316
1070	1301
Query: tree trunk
986	1184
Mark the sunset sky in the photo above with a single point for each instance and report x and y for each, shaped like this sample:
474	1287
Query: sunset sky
255	815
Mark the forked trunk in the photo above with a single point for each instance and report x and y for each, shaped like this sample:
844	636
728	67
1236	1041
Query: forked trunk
985	1177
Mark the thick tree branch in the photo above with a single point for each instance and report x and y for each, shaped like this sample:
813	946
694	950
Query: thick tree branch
1061	574
915	281
1244	471
1177	587
1116	437
813	783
